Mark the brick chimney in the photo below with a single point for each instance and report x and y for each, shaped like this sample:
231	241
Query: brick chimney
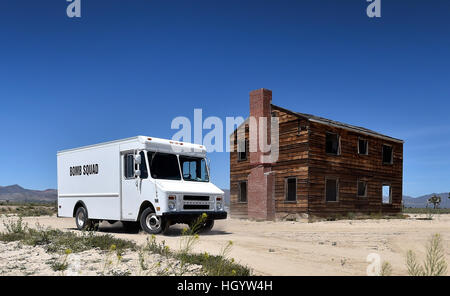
261	181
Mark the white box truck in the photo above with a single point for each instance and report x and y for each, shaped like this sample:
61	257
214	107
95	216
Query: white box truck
141	181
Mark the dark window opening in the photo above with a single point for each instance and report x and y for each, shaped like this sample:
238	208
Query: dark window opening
387	154
331	190
164	166
332	144
387	194
128	166
363	147
291	189
242	149
362	188
243	192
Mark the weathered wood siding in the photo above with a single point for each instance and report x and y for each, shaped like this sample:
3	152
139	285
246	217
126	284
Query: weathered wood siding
348	167
239	171
292	162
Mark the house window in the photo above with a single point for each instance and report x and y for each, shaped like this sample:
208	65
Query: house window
387	194
291	189
242	149
332	144
362	188
387	154
128	166
331	189
363	146
243	192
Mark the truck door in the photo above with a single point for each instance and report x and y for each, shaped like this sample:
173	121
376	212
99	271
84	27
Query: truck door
133	187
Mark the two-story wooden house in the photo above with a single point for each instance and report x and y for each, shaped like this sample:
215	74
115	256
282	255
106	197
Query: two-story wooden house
324	167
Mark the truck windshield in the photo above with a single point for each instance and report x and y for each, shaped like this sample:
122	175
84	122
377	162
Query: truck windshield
164	166
194	169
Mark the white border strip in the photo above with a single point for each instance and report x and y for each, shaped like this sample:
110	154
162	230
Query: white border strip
90	195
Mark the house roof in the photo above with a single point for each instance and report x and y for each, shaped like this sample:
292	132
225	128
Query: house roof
326	121
338	124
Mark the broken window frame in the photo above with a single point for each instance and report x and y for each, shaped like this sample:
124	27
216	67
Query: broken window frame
392	154
366	187
338	142
242	155
367	146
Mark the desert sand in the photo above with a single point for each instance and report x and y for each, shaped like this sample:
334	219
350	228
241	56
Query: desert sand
300	248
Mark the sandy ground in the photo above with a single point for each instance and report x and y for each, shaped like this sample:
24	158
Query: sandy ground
301	248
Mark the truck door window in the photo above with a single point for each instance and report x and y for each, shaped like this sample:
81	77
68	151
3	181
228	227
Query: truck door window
164	166
128	166
143	166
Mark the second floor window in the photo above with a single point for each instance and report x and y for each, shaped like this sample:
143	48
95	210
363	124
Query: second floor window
242	149
332	144
387	154
363	147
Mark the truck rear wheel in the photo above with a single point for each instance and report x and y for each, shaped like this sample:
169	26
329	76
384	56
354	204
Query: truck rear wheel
82	220
153	224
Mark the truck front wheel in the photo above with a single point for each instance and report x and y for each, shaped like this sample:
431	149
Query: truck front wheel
153	224
82	220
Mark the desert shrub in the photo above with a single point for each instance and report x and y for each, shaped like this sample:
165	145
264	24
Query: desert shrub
212	265
386	269
54	240
434	263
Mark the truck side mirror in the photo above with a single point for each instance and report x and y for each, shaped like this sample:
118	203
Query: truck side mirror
137	159
137	173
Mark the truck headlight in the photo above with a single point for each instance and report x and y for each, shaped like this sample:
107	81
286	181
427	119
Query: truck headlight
219	205
172	205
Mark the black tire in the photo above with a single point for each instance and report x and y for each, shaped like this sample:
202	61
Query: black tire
209	224
133	227
153	224
81	219
202	228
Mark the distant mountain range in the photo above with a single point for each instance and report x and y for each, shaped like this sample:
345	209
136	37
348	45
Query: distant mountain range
421	201
17	193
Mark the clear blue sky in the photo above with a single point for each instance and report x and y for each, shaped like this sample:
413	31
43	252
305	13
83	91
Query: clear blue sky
129	67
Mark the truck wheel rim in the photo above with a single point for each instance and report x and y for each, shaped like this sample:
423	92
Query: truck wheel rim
80	219
153	222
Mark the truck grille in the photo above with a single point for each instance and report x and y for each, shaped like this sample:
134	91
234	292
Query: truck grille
196	197
197	202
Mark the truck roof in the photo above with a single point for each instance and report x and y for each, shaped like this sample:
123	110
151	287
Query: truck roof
150	143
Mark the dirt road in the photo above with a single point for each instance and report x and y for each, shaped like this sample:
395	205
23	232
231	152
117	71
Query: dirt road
301	248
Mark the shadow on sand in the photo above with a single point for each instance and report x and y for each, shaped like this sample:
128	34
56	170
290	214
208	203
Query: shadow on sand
174	230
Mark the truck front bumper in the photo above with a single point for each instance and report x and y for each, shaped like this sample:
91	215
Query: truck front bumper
185	216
